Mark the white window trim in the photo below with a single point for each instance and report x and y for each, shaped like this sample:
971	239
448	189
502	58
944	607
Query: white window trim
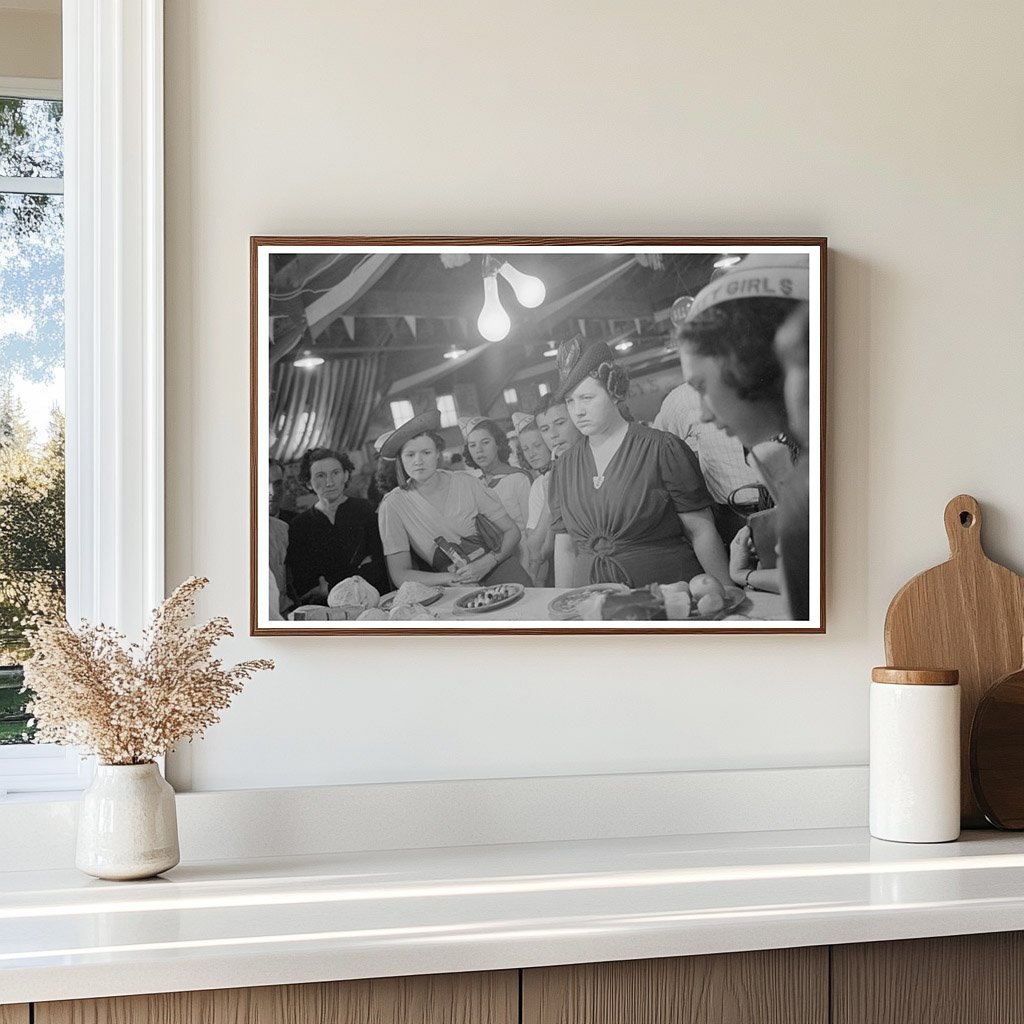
32	88
114	329
32	186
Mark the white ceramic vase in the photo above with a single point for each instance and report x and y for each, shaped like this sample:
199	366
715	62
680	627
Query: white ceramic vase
127	825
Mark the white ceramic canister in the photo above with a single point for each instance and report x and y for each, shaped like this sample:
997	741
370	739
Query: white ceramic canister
915	755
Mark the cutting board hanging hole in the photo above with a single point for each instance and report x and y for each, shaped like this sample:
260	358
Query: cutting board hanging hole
963	526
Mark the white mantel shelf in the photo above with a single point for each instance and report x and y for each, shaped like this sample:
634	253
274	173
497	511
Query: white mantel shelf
225	924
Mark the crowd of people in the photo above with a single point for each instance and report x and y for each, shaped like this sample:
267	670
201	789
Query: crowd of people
577	492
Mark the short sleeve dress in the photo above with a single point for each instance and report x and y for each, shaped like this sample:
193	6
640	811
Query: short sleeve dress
408	522
627	530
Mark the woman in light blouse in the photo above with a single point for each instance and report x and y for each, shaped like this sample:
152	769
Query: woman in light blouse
427	511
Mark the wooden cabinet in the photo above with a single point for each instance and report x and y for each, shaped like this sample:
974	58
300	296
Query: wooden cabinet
491	998
972	979
777	986
963	979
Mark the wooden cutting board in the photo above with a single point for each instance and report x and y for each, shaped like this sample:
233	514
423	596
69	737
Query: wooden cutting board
997	752
967	614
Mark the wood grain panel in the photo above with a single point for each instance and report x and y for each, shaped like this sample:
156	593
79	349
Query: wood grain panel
963	979
481	998
965	614
14	1014
779	986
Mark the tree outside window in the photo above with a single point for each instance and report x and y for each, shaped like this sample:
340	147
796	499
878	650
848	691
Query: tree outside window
32	571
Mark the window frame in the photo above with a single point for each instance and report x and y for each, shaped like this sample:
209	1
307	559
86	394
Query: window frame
38	767
112	90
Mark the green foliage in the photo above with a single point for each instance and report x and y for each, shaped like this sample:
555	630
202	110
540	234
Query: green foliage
31	525
31	138
14	719
31	345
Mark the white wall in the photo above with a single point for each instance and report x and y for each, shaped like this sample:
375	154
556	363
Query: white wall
894	129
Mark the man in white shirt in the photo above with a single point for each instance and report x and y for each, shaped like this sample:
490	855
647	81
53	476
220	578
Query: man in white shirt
560	434
722	458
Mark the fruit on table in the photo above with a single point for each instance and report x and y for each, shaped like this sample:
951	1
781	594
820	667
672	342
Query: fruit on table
704	584
710	604
676	597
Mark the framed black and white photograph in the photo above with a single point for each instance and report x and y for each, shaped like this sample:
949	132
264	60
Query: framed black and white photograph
537	435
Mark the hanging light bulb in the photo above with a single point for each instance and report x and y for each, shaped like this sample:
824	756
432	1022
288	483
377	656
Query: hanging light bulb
726	261
551	352
493	322
455	352
530	290
308	361
623	346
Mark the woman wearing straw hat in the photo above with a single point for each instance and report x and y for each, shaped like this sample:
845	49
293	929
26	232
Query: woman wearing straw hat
628	503
436	515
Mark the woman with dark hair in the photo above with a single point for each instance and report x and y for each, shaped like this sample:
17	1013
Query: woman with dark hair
488	450
729	357
335	538
435	515
729	360
628	503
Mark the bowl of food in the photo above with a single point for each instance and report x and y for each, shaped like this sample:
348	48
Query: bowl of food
487	599
573	603
703	599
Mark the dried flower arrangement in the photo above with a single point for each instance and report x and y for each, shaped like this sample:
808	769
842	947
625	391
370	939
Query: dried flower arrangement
129	704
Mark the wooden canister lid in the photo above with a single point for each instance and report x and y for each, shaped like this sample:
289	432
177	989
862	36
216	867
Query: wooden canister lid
916	676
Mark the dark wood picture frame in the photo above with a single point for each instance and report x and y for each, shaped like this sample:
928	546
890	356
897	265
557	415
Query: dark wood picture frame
262	247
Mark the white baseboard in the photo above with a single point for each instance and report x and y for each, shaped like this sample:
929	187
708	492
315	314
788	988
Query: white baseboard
292	822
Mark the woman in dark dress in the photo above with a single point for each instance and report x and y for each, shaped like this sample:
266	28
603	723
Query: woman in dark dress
337	537
628	503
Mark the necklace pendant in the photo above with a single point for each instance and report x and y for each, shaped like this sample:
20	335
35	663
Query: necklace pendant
598	480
